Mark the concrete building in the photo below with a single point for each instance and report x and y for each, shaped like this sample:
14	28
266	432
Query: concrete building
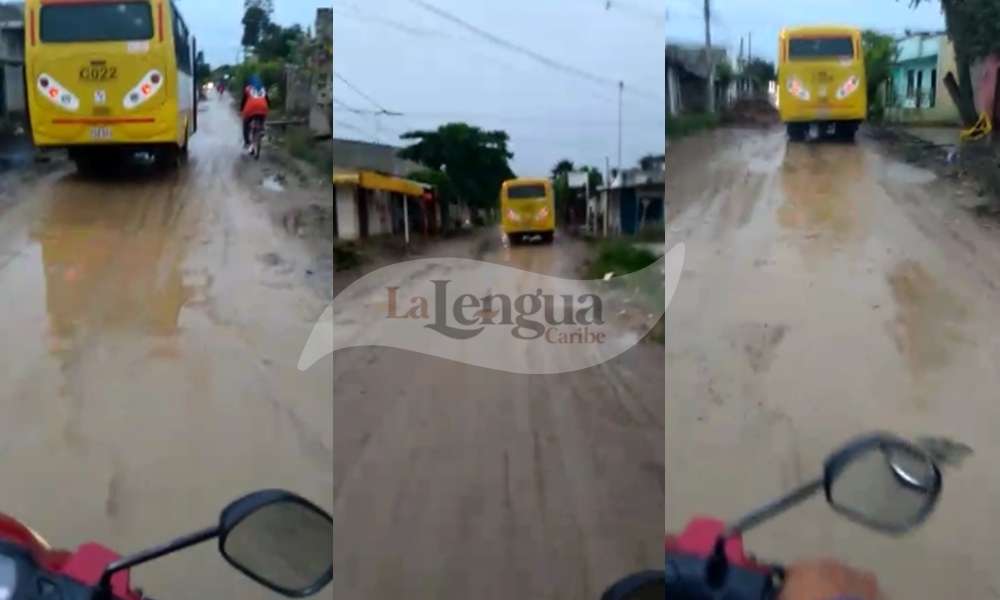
635	198
686	72
372	195
915	92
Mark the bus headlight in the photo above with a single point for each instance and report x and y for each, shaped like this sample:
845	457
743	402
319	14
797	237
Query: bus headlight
543	213
145	90
848	87
513	216
57	93
797	88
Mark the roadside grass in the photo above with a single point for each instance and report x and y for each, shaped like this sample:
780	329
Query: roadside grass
346	256
679	126
619	257
622	257
301	144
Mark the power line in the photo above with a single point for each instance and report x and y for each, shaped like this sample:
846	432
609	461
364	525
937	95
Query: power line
382	109
554	64
635	9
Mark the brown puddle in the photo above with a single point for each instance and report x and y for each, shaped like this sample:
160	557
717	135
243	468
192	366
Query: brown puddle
819	185
926	326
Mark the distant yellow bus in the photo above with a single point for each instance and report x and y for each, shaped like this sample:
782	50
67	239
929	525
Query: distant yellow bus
821	80
105	77
527	208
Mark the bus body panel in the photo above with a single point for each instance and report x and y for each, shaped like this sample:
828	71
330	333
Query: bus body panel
100	75
821	88
527	206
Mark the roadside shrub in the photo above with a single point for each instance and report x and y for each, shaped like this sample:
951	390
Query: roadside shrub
301	144
346	256
271	73
679	126
619	257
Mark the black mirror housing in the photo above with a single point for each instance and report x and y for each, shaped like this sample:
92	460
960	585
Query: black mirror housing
239	511
886	446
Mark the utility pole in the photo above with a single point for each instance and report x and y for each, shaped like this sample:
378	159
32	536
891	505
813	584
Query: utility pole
749	45
607	192
621	89
741	80
710	78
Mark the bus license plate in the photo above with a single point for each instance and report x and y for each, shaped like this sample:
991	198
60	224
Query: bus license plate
100	133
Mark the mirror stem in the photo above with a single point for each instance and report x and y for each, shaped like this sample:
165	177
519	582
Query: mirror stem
127	562
767	511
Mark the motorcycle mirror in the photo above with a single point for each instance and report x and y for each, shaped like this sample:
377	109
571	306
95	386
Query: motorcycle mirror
279	540
882	482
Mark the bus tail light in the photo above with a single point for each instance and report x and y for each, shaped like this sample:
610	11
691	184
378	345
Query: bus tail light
513	216
145	90
543	213
56	93
848	87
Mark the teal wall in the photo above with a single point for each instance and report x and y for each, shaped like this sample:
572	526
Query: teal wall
926	65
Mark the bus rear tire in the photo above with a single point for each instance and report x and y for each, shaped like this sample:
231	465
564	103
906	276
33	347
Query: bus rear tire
547	237
89	162
168	158
846	132
797	131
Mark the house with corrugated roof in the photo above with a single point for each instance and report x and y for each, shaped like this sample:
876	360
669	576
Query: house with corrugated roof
372	195
687	70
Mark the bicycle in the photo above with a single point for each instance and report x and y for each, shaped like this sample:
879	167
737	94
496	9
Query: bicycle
256	137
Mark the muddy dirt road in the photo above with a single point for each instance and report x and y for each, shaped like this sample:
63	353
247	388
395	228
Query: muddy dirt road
464	482
149	371
830	290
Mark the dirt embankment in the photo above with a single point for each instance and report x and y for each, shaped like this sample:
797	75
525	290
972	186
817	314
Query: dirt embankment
751	112
299	200
973	168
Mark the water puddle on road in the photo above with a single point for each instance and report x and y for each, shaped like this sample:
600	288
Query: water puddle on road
820	189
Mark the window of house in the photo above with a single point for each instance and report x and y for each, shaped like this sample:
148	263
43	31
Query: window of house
909	83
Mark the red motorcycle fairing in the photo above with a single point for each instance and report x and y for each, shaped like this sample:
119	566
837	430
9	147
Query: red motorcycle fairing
13	531
84	566
698	539
87	564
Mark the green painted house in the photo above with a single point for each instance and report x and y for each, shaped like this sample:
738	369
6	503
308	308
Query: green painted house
915	92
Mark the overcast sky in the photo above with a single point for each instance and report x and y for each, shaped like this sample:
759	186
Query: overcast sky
218	23
763	19
406	58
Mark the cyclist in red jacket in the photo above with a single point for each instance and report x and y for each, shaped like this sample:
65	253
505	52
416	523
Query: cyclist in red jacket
254	106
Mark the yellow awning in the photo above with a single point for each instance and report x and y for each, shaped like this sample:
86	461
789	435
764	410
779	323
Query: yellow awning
376	181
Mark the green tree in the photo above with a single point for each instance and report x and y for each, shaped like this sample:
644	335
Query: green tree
974	30
760	72
256	18
880	52
475	160
203	71
279	43
560	185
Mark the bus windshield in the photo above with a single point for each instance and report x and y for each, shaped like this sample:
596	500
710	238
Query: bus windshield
523	192
820	47
104	22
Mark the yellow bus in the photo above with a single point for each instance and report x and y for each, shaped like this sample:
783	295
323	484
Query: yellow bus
527	209
821	81
106	77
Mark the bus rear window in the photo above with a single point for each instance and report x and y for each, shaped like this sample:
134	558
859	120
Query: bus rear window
522	192
104	22
820	47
